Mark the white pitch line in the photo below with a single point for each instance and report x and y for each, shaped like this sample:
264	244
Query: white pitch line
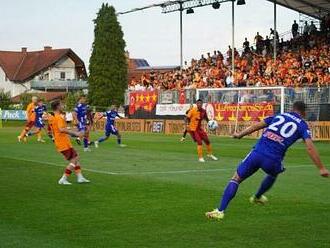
144	172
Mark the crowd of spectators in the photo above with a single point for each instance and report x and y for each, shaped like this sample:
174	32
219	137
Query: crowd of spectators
304	60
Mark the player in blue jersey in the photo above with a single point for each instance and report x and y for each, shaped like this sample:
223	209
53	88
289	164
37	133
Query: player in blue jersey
39	111
80	118
281	131
110	127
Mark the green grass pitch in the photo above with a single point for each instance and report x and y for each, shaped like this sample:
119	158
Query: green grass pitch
154	193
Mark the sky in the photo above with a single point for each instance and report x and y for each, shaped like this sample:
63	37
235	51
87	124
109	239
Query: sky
148	34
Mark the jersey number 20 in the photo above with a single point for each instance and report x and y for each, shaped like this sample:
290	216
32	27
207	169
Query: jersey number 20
287	130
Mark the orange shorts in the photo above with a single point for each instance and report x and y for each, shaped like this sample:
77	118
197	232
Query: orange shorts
69	154
29	124
199	136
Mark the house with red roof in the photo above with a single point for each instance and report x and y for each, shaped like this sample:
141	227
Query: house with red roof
55	70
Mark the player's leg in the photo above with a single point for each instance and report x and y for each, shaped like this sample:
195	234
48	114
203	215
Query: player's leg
39	134
117	133
266	185
33	132
184	135
106	136
197	138
272	169
49	132
86	139
72	156
247	168
77	170
68	154
207	142
26	129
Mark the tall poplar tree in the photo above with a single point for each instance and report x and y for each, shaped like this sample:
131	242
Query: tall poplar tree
108	64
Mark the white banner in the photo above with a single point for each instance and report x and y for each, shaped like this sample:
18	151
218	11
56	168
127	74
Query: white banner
172	109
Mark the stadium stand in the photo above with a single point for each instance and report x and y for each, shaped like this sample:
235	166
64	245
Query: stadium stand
304	60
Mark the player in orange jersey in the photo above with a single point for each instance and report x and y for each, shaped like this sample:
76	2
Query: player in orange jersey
183	138
63	144
31	116
195	116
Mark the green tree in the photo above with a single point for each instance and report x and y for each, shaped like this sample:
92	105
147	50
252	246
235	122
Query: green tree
5	100
71	100
107	65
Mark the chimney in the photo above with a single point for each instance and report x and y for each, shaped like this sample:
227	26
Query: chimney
24	49
47	48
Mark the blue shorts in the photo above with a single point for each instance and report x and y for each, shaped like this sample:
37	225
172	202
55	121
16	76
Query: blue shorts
110	129
255	161
39	124
81	127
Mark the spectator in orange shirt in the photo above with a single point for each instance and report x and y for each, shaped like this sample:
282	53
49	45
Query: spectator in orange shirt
63	144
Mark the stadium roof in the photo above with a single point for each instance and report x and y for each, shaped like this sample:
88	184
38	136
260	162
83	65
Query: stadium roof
315	8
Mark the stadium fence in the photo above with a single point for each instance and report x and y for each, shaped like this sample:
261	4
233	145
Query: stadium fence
320	129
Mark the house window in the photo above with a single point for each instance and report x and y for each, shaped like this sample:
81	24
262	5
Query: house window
62	75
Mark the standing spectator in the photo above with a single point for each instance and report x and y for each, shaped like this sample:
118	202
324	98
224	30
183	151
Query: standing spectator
229	52
273	35
267	45
246	46
259	42
306	28
294	29
312	28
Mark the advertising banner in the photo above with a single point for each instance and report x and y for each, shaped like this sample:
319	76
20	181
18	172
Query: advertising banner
13	115
172	109
241	112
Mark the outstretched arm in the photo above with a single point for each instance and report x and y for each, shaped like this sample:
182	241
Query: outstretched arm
71	132
314	155
250	129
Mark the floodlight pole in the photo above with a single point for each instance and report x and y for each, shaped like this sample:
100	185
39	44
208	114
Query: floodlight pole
233	37
275	31
181	37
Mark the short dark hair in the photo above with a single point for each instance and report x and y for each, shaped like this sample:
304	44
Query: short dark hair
299	106
199	100
55	105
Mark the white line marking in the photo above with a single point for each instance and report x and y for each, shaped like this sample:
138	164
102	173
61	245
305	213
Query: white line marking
146	172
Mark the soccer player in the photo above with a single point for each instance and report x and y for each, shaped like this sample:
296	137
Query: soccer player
39	111
281	131
110	127
30	114
195	116
80	117
63	144
183	138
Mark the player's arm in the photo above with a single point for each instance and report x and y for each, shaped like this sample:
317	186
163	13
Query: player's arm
70	132
314	155
75	116
120	117
251	129
63	129
187	118
100	117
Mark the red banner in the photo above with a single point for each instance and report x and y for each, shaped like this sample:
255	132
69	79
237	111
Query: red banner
245	112
146	100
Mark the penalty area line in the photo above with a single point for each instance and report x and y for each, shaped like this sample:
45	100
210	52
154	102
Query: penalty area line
146	172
